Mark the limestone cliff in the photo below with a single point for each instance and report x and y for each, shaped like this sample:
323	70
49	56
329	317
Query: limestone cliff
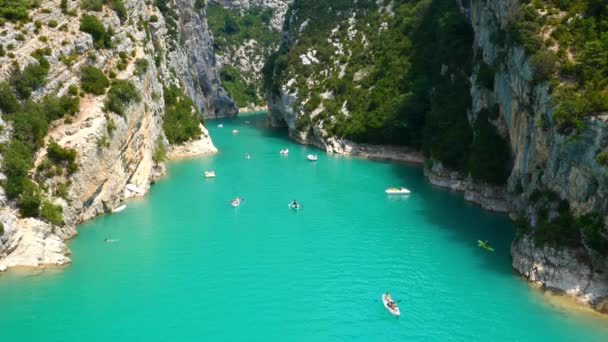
113	150
552	175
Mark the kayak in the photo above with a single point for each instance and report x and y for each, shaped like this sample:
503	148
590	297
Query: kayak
284	151
220	125
481	244
312	157
209	174
394	311
400	191
298	207
247	156
119	209
235	131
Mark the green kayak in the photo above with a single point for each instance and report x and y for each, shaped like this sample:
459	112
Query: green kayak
482	245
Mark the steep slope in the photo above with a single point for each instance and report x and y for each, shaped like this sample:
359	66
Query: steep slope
245	34
459	81
108	103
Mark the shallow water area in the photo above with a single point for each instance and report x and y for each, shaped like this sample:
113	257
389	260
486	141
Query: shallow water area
186	265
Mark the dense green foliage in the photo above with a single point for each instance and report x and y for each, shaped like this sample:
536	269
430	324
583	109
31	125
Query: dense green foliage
121	93
160	151
30	78
51	213
490	158
243	93
231	30
391	85
182	117
141	66
574	57
14	10
102	38
93	80
8	100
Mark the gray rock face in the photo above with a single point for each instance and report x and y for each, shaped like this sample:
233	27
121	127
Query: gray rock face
196	65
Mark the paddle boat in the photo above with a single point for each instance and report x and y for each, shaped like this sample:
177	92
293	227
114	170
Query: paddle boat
209	174
119	209
284	152
220	125
236	202
390	305
312	157
397	191
235	131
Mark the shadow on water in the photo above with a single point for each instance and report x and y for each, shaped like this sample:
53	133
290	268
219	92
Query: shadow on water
465	222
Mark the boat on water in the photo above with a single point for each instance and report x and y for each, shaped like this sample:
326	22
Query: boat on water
247	156
312	157
485	246
284	151
119	209
399	191
220	125
235	131
236	202
209	174
296	206
390	305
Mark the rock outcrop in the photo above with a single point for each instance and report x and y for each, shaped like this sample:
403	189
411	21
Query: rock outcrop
112	150
543	159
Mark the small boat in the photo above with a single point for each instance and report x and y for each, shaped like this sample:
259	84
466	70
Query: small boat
119	209
484	246
284	151
393	310
135	189
209	174
236	202
247	156
247	122
235	131
295	207
312	157
399	191
220	125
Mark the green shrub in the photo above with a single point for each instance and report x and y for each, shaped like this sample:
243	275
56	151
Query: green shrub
121	93
57	107
31	78
16	162
160	151
93	80
593	228
544	64
52	23
14	10
92	5
30	125
121	11
51	213
91	25
8	100
602	158
30	199
141	66
182	118
60	155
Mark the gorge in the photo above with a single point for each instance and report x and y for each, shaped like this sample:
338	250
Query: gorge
469	89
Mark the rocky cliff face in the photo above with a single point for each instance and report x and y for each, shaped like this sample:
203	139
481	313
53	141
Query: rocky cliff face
112	150
279	8
197	62
544	161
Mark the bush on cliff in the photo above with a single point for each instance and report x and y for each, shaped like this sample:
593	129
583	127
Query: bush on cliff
8	101
121	93
102	38
93	80
51	213
182	118
29	79
14	10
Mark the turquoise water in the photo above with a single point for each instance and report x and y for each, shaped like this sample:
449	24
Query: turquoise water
187	266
